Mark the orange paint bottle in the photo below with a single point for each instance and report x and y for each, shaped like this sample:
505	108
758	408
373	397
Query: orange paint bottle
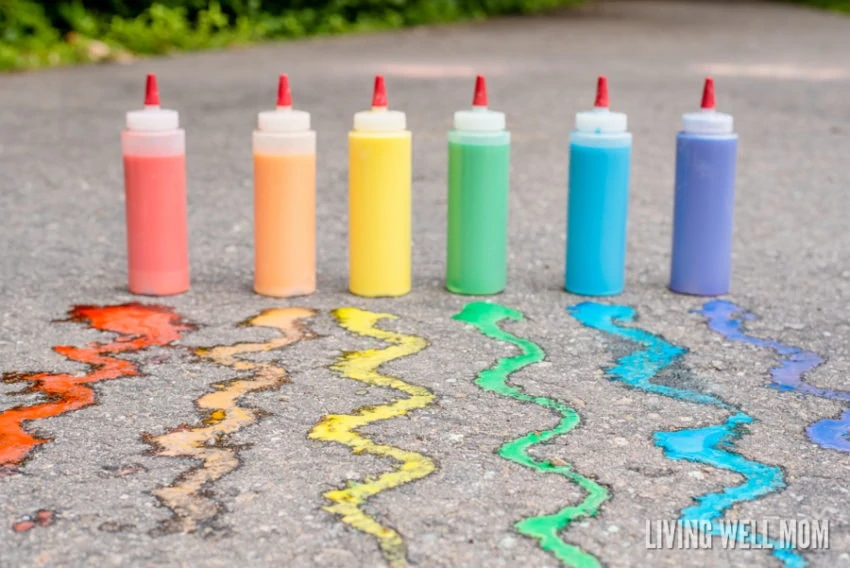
284	200
154	148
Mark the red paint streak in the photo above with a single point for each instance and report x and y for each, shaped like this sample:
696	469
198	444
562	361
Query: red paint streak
42	518
138	326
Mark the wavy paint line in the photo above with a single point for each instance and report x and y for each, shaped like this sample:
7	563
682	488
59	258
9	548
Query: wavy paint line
728	319
711	445
192	507
342	428
137	327
545	528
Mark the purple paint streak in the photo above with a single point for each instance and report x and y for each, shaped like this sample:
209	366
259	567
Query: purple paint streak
728	319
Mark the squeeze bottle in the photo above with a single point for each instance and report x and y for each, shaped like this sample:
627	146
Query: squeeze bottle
706	151
284	200
154	149
379	200
597	208
479	172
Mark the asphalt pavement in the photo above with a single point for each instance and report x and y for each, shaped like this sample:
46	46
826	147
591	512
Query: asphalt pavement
250	493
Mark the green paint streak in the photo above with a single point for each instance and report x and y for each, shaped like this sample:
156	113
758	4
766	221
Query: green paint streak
545	528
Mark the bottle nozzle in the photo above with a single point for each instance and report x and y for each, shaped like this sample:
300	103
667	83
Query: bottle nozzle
151	91
601	92
479	99
379	95
708	99
284	95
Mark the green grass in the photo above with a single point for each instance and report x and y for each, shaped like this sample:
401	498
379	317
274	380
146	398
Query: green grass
51	33
41	33
834	5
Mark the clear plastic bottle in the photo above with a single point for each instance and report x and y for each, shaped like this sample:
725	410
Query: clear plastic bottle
706	153
600	159
154	150
479	179
284	200
379	200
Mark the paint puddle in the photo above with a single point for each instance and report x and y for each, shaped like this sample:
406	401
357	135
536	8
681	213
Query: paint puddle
190	498
728	320
363	366
41	518
711	445
137	327
546	528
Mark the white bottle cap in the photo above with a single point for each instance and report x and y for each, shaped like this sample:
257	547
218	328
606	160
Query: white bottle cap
153	119
380	119
601	121
479	119
707	120
284	119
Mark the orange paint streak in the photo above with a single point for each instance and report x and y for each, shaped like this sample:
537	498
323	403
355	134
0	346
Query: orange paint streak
137	326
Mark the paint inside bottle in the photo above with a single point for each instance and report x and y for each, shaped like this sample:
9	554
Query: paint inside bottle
379	200
154	151
284	200
479	171
706	155
600	163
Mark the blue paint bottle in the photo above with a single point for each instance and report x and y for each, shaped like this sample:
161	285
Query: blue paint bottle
598	203
706	151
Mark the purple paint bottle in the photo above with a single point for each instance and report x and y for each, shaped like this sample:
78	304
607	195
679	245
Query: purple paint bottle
706	151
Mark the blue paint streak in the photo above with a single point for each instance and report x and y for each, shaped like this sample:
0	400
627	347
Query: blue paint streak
711	445
727	319
637	368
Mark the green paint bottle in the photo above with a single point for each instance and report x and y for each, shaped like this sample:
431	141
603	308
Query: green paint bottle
479	174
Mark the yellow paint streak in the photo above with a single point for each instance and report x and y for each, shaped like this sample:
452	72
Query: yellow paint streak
363	366
223	417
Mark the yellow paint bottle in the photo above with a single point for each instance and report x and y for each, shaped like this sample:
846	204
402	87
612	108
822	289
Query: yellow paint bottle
379	200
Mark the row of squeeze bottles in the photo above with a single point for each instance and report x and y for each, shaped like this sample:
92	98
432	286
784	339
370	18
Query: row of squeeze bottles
379	199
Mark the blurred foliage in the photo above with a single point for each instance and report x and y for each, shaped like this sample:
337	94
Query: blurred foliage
835	5
36	33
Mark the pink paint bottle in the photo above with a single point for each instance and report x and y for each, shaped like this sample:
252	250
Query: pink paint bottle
154	148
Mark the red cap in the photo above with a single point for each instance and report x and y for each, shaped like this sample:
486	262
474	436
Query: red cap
151	91
601	92
379	95
284	95
708	100
480	97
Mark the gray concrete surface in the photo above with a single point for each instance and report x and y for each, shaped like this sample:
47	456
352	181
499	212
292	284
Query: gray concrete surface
784	72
